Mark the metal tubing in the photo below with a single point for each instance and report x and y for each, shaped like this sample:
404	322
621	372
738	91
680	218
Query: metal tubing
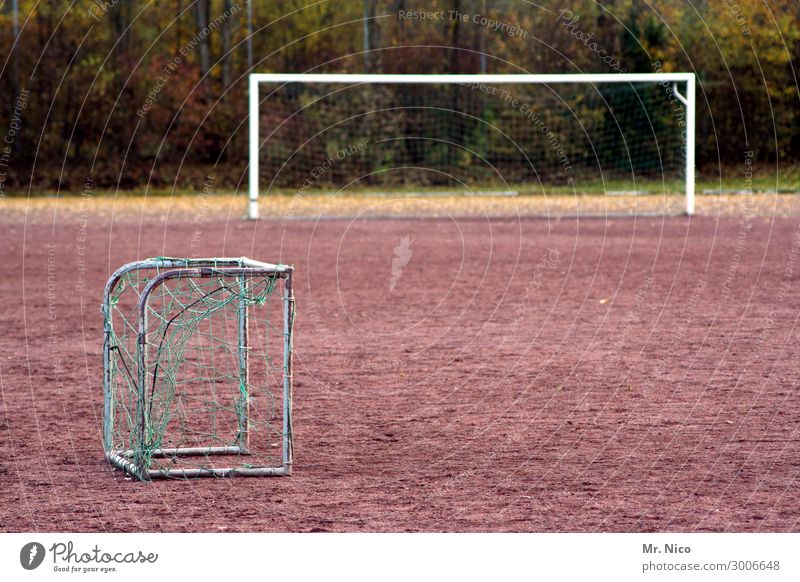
252	88
206	272
108	390
189	451
281	271
244	366
688	102
177	263
157	263
288	326
126	465
132	462
499	79
229	472
690	143
141	404
130	468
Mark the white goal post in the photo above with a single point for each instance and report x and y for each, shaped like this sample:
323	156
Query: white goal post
681	85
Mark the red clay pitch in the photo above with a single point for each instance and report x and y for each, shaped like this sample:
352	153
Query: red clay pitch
450	375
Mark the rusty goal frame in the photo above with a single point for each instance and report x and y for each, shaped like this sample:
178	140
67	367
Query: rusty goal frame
127	447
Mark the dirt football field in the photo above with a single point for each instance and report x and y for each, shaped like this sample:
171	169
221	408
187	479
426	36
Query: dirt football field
483	371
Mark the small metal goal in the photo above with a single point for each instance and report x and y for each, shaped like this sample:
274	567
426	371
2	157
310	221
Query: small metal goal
197	368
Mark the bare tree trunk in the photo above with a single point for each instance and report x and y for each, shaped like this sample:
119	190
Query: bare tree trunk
120	20
481	40
17	48
249	36
455	56
371	36
202	12
227	44
366	36
178	9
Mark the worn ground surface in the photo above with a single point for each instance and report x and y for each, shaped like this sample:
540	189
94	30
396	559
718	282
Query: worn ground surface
521	374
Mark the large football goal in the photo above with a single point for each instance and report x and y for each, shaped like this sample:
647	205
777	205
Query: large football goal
600	135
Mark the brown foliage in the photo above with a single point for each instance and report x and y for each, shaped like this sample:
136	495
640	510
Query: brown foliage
115	90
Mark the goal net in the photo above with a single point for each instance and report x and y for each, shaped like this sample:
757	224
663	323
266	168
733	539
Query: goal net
197	368
626	140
